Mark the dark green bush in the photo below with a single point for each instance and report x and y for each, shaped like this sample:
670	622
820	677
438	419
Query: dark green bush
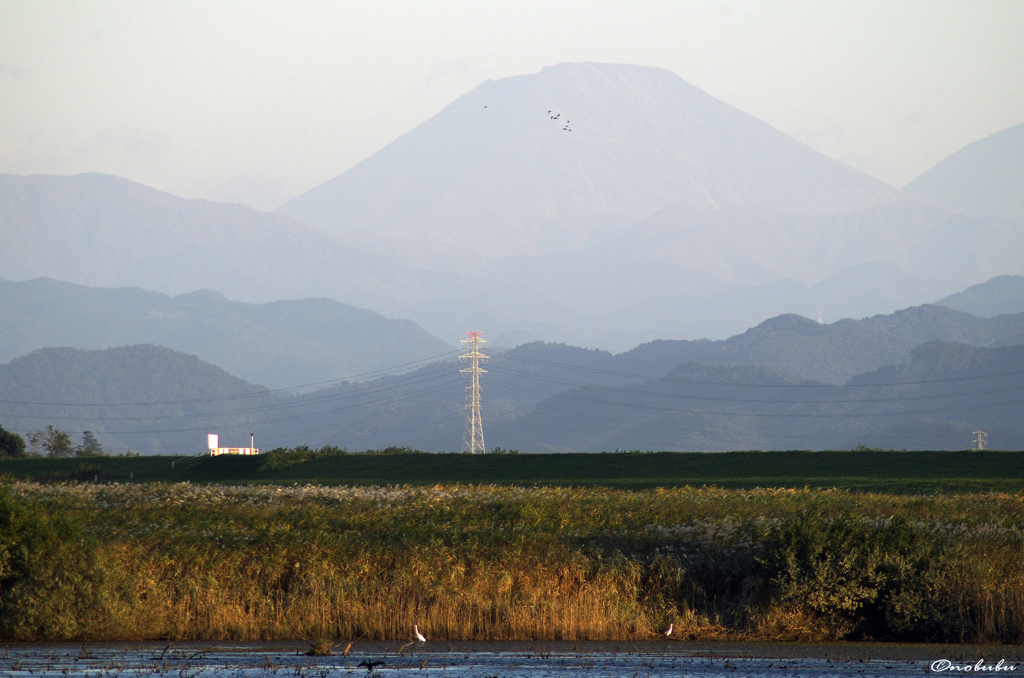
11	444
53	581
402	449
883	580
283	457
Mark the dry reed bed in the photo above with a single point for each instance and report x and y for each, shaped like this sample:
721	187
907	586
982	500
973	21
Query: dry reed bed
132	562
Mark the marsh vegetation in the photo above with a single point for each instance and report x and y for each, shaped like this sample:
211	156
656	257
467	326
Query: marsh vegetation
188	562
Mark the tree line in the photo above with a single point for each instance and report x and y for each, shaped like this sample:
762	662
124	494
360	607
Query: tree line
49	442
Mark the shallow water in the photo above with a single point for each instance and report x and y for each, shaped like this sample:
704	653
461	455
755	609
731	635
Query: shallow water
504	659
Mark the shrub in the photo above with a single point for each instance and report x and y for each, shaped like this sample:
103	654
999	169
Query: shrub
11	444
882	580
54	583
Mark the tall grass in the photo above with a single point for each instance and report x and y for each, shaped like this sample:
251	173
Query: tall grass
134	562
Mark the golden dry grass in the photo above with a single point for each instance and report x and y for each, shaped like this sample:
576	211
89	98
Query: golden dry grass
498	563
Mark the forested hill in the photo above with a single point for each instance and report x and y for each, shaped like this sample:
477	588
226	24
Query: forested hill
830	353
779	385
936	401
998	296
142	398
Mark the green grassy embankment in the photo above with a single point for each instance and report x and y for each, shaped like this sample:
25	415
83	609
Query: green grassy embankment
896	472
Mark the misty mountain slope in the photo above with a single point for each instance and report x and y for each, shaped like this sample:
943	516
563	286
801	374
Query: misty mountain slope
924	241
833	352
144	398
1000	295
101	230
934	322
679	249
588	418
427	406
719	314
679	274
806	349
984	178
943	394
493	174
829	353
279	344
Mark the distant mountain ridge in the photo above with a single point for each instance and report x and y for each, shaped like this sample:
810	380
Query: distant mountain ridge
105	231
945	393
1000	295
528	391
984	178
703	394
281	344
832	353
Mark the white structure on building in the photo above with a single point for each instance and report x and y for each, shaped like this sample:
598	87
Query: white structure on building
213	442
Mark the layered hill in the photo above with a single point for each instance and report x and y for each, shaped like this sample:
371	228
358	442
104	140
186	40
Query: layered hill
105	231
1000	295
425	408
788	382
936	401
983	178
829	353
282	344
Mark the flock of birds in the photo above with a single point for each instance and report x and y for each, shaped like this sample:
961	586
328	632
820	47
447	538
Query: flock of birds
556	116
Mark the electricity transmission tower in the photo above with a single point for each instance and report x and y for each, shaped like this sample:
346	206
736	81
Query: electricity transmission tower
979	440
474	440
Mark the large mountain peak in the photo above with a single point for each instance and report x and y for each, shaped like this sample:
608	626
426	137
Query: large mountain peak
555	160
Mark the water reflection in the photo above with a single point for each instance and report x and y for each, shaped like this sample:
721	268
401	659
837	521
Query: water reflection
507	660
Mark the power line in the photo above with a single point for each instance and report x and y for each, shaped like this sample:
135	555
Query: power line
633	375
440	371
305	415
626	388
628	405
403	368
379	373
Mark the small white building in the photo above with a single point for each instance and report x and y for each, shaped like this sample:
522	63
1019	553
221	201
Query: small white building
213	443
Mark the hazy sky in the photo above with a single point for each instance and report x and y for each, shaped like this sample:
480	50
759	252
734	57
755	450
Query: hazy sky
256	102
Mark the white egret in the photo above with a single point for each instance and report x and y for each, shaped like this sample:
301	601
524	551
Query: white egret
419	636
667	632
